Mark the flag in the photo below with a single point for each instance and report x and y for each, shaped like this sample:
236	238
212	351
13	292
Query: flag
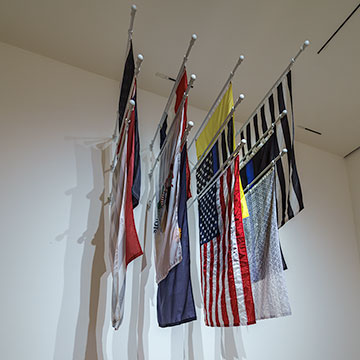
225	274
126	88
288	189
175	302
167	232
263	246
226	144
124	242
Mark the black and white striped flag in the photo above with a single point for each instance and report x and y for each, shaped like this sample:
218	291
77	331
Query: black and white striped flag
288	190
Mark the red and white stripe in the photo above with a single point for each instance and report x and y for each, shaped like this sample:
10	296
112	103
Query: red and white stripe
124	242
225	276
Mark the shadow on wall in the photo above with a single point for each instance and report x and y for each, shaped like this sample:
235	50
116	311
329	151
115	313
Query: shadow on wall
81	330
144	291
87	342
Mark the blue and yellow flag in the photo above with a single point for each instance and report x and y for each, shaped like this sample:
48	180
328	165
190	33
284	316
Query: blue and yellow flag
226	143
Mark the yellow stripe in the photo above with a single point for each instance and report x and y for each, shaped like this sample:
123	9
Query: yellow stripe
215	122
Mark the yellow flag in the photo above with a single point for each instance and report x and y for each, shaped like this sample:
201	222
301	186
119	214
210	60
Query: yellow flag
215	122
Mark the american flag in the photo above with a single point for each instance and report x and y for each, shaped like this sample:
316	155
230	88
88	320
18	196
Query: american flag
225	275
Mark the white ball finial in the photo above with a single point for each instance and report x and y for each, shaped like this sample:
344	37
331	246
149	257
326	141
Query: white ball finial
140	57
194	36
133	7
193	77
190	123
243	141
284	112
242	57
306	42
242	96
132	102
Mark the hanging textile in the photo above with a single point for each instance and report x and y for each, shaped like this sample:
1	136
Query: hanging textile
167	232
288	190
226	285
175	302
124	242
226	144
126	87
225	275
263	248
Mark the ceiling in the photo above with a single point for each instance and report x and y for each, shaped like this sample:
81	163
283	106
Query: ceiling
92	34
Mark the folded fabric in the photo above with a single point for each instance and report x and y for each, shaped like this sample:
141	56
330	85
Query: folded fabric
263	247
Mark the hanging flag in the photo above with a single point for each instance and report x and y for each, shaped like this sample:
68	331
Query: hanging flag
226	285
226	145
263	248
175	302
125	93
124	242
225	275
167	232
288	189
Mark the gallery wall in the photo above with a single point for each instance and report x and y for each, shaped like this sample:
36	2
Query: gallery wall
55	125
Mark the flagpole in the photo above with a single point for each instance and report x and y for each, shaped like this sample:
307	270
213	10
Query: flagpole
254	149
220	171
217	175
292	62
131	26
139	61
189	126
218	133
186	93
173	90
270	166
217	100
128	111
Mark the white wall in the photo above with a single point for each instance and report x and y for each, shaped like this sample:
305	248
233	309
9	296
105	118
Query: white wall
353	168
55	121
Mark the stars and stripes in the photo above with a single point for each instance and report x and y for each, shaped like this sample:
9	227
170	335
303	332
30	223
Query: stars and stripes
208	216
225	276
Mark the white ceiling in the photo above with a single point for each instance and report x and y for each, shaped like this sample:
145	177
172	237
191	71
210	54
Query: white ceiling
92	34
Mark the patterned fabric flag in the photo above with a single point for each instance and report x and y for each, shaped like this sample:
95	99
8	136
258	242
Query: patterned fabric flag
175	302
124	242
126	88
263	247
288	190
226	144
168	251
225	275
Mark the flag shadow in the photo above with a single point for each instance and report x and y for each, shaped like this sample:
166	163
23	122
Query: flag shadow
146	290
87	341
